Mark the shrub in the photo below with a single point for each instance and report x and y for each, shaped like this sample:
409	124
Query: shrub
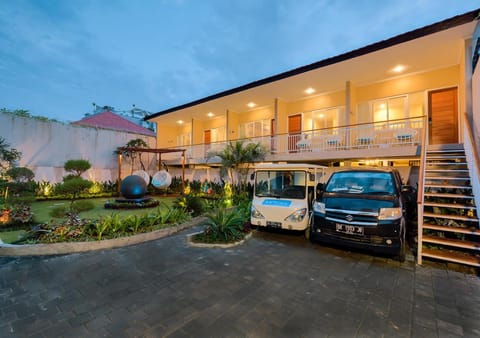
20	174
222	226
190	203
58	211
82	205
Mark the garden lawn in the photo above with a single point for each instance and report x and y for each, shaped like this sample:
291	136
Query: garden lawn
42	209
11	236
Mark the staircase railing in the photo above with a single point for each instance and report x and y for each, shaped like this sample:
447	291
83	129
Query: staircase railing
472	160
420	190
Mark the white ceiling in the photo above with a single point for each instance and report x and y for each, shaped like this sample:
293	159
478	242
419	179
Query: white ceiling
438	50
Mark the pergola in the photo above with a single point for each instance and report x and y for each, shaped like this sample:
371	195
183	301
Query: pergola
159	151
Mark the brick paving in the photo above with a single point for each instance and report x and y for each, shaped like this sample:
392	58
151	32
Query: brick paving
274	285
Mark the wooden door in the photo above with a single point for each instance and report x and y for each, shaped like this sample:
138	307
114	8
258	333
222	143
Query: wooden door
207	136
272	135
294	131
443	116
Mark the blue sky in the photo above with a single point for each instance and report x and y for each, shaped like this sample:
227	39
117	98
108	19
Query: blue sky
57	57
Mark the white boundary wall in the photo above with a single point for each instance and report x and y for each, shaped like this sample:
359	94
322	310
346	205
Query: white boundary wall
47	145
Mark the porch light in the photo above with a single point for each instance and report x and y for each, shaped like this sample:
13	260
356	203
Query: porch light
309	90
251	104
398	68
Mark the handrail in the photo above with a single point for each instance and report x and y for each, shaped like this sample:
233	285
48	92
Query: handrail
420	190
350	126
473	160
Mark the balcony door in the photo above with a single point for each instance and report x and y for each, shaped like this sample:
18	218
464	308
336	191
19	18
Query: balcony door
294	131
443	116
207	138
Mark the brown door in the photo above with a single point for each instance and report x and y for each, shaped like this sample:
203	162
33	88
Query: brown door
294	131
443	116
272	135
206	140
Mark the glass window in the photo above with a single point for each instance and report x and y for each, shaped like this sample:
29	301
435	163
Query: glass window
281	184
389	109
254	129
361	182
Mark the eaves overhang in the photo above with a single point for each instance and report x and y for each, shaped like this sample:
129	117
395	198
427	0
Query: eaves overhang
377	46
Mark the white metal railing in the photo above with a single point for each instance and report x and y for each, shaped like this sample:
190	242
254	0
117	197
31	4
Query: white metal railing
472	160
383	134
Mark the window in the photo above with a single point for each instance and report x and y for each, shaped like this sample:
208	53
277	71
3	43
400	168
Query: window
184	139
322	118
217	134
254	129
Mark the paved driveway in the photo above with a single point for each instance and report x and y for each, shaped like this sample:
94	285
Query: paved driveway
275	285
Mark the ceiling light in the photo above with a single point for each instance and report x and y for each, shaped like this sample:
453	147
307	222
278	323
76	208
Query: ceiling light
180	121
398	68
210	114
321	116
309	90
251	104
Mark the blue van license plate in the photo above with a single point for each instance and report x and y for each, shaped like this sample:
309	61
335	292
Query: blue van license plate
349	229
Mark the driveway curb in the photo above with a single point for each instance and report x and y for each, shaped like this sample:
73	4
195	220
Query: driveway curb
74	247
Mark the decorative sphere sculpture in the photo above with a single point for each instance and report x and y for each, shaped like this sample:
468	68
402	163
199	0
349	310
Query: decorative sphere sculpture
162	179
133	187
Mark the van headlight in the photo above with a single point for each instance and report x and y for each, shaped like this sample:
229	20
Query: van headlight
319	207
255	213
297	216
389	213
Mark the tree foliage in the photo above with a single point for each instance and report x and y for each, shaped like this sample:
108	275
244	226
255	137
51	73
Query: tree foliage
77	167
238	158
20	174
8	156
130	155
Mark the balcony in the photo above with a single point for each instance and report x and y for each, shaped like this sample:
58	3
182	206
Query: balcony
394	138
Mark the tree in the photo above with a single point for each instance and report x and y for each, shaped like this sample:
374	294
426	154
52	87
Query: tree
8	156
131	155
77	167
73	184
20	174
237	159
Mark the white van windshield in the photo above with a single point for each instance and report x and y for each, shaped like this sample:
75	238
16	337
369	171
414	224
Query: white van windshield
361	182
281	184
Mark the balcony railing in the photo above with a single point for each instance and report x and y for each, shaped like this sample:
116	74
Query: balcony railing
385	134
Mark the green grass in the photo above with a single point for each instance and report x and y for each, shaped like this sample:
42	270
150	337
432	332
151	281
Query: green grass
11	236
42	209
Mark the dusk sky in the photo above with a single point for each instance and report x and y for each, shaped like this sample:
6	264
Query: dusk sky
57	57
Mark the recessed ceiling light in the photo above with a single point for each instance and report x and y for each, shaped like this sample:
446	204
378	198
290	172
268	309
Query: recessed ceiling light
180	121
251	104
210	114
398	68
309	90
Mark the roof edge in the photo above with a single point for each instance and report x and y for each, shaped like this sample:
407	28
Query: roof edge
376	46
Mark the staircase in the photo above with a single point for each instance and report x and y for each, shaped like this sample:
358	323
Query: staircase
448	222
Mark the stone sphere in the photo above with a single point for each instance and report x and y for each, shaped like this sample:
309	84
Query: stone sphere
133	187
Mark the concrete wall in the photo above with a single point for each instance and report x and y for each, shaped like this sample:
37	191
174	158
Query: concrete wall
47	145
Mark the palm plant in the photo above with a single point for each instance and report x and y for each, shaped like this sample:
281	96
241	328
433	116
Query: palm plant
223	225
237	159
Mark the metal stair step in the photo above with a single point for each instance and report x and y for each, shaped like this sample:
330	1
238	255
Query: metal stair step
446	163
466	231
444	157
450	216
451	257
457	243
452	178
446	186
448	205
445	195
445	170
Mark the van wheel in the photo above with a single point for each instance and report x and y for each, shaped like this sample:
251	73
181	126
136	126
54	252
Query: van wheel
403	241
